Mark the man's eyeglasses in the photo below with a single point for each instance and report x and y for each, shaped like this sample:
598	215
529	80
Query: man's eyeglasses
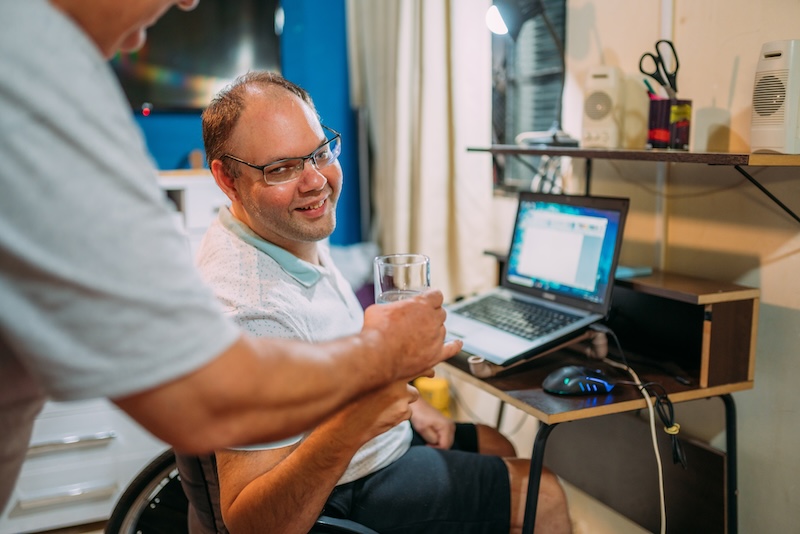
289	169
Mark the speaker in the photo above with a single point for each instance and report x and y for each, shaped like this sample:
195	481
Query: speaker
603	109
775	125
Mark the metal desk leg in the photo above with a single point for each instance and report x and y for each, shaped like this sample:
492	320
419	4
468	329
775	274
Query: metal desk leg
537	463
733	487
500	412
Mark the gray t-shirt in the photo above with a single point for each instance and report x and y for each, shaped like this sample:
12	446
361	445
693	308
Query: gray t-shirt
99	296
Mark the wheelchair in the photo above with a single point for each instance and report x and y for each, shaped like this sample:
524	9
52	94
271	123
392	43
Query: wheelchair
156	501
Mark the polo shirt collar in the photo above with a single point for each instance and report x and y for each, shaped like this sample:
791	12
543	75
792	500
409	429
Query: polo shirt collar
305	273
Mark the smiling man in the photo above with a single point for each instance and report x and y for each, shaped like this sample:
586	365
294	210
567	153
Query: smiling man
293	218
272	272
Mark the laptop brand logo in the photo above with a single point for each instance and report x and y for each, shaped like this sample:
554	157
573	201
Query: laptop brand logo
549	296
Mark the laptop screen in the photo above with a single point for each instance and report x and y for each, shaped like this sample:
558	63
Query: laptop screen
565	248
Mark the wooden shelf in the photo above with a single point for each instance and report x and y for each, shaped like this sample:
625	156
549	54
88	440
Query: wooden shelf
688	288
669	156
737	161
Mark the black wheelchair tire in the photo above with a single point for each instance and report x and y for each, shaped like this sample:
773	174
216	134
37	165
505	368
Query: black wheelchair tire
153	503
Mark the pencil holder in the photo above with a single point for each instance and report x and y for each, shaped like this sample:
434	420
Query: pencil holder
668	124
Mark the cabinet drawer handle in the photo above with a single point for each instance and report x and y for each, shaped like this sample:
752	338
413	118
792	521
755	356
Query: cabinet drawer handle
68	495
72	442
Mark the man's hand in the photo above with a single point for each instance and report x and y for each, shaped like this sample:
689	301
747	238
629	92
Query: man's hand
437	430
372	415
410	334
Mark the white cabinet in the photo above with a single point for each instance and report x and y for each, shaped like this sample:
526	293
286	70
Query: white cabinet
82	456
197	198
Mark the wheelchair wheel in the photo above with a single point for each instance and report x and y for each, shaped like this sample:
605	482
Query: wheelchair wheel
153	503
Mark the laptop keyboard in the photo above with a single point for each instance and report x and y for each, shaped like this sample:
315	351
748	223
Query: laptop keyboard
517	317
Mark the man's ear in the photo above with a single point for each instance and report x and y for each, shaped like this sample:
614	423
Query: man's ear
224	180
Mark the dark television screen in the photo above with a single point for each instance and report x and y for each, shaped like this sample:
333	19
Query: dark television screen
189	56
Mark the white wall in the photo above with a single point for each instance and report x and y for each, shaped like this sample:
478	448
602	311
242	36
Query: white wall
739	235
709	221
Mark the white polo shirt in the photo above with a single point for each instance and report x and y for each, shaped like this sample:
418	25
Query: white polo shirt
270	292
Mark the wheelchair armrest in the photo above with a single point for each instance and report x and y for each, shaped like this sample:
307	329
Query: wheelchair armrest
332	525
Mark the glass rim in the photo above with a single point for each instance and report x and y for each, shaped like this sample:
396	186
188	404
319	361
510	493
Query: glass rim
417	258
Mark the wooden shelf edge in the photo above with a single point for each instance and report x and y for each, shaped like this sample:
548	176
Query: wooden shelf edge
668	156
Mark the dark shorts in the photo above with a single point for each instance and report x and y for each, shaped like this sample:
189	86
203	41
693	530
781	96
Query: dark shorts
465	438
431	491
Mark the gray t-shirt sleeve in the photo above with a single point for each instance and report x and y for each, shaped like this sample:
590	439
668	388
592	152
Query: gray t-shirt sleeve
98	291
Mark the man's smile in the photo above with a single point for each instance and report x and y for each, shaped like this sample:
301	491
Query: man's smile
314	206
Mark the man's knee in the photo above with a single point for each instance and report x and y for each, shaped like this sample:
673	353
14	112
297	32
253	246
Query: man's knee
552	511
550	489
492	442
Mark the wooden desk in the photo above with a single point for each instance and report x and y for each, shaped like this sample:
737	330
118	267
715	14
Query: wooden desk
708	328
521	388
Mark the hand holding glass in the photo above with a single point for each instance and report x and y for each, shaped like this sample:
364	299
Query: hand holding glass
401	276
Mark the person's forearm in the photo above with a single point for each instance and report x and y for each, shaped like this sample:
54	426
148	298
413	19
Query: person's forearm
297	481
290	497
270	389
259	390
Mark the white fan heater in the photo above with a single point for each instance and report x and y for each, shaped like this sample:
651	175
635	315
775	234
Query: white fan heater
775	125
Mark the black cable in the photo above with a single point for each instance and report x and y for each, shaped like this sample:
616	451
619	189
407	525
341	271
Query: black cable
663	405
666	412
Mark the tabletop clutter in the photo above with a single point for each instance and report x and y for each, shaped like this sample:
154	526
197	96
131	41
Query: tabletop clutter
669	117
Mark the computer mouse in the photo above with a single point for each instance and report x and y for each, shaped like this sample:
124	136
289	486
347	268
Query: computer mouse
577	380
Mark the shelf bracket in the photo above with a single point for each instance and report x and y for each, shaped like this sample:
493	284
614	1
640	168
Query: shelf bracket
588	185
764	190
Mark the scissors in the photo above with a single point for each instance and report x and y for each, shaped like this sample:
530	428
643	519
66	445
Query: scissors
662	67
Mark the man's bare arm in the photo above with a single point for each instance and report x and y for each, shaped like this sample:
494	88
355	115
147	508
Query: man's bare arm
266	389
284	490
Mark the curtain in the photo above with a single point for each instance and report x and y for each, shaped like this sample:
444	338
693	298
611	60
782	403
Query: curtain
421	75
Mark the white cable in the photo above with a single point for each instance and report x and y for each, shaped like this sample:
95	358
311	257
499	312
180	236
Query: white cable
472	415
651	412
518	426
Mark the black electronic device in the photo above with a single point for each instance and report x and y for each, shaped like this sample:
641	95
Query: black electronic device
578	380
189	56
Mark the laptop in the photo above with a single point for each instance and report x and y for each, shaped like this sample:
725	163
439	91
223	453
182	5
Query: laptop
557	279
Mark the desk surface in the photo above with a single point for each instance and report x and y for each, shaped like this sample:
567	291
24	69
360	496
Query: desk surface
521	387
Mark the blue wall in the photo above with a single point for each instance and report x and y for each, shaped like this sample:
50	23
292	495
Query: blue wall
171	137
313	55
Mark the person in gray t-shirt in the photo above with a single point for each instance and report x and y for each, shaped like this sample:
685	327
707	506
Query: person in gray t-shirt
98	293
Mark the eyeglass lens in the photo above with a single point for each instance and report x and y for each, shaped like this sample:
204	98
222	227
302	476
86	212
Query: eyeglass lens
289	169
